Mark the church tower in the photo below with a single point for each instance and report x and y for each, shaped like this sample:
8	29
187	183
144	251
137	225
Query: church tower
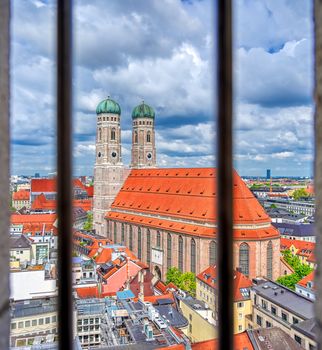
108	170
143	137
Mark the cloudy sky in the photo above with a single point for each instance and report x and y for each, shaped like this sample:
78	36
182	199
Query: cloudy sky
162	52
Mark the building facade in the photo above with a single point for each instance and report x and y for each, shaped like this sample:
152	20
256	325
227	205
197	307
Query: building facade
108	170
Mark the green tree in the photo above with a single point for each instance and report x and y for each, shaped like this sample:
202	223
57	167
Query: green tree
289	281
185	281
300	270
300	193
173	275
88	225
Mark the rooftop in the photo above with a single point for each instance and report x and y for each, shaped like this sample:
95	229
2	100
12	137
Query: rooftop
33	307
286	299
183	200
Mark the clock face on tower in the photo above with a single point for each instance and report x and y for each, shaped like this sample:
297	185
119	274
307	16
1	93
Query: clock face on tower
149	155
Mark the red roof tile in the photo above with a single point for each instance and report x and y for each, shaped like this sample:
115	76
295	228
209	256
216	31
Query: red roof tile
209	276
241	342
187	194
21	195
309	278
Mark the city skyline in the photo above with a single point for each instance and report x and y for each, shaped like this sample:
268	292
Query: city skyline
168	64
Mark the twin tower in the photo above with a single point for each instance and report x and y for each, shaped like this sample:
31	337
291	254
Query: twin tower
109	171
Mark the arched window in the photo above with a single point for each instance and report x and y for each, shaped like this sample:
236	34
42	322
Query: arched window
115	232
135	137
113	134
122	234
244	258
139	243
269	260
169	250
193	256
158	239
212	253
148	137
100	134
180	256
148	246
131	238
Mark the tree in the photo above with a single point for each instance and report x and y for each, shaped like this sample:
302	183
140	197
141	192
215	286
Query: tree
88	225
289	281
300	270
300	193
174	276
185	281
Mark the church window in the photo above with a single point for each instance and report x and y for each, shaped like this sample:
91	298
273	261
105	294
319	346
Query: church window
212	253
158	239
122	234
139	243
135	137
180	257
113	134
100	134
131	238
169	250
269	260
148	246
244	258
193	256
115	232
148	137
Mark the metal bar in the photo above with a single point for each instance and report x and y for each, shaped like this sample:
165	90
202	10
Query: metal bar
4	172
64	171
225	176
318	166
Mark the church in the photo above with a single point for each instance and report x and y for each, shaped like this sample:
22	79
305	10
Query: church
168	216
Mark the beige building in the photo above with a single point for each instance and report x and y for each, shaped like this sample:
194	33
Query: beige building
278	306
207	291
36	318
202	325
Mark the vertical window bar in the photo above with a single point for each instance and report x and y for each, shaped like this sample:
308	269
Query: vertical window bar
64	171
224	178
4	172
318	166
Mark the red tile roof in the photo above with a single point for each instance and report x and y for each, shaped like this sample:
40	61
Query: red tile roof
241	342
209	276
49	185
33	223
21	195
309	278
43	185
186	194
42	203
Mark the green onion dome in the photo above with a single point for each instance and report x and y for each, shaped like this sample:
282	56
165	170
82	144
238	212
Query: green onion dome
108	106
143	111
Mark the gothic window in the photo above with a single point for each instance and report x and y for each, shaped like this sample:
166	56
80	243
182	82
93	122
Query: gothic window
169	250
115	232
193	256
135	137
269	260
158	239
244	258
113	134
148	246
131	238
180	257
212	253
100	134
122	234
139	243
148	137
